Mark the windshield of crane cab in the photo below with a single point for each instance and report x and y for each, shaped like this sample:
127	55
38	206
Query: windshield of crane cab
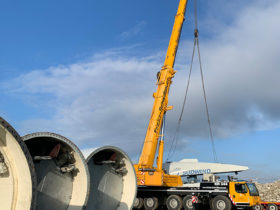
253	189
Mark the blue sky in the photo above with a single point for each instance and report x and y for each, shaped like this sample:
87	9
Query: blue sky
86	70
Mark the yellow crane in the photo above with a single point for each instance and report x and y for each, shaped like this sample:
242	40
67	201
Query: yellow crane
155	187
147	174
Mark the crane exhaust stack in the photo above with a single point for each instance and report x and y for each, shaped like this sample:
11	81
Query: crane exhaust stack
62	173
17	174
113	179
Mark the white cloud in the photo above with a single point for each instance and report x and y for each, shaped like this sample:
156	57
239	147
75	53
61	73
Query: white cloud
101	102
135	30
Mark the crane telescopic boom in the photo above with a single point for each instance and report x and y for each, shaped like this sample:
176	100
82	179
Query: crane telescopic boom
161	95
146	173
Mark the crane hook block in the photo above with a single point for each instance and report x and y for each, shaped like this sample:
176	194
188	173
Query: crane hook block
196	33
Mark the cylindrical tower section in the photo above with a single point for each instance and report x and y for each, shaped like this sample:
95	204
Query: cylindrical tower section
17	174
62	173
113	179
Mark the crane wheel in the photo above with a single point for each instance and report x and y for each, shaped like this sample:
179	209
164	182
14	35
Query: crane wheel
150	203
257	207
187	202
272	207
174	202
138	203
221	203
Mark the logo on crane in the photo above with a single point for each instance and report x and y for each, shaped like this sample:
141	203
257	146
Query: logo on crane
200	171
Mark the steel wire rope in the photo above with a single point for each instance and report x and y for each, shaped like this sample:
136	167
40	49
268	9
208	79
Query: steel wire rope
174	140
171	150
203	86
206	106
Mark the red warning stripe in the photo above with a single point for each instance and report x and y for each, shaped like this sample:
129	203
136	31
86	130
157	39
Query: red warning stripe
194	199
231	199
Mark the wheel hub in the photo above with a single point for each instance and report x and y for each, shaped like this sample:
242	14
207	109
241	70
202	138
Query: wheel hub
150	202
221	205
189	204
136	202
257	208
173	203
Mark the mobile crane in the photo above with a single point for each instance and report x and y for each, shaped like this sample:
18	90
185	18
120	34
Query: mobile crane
155	186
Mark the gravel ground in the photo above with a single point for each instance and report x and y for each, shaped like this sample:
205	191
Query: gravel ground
270	191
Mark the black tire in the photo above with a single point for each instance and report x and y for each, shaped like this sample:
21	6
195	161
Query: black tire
257	207
221	203
174	202
187	202
211	203
138	203
272	207
151	203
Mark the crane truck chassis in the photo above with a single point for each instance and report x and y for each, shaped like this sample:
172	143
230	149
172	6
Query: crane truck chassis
222	195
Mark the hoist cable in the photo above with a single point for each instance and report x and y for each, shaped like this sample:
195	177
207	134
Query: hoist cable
206	105
203	86
174	140
195	15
